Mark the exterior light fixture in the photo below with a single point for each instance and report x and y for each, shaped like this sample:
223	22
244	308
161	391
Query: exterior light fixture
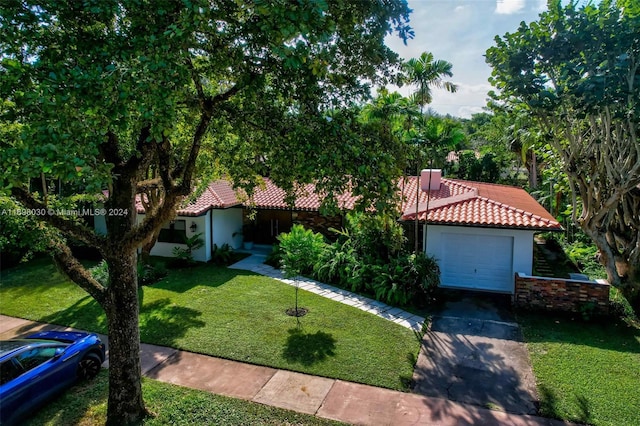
193	227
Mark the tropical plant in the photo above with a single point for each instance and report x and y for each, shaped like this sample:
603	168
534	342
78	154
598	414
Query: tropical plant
369	257
425	72
409	278
221	255
183	256
300	250
576	73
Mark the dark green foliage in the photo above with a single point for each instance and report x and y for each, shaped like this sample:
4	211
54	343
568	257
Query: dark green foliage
470	167
619	306
406	279
275	257
21	235
300	250
368	257
222	255
184	256
149	274
100	273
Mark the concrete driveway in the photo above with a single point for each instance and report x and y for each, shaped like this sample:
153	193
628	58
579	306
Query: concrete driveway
473	353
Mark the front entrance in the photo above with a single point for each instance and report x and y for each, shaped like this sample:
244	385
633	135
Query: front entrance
270	224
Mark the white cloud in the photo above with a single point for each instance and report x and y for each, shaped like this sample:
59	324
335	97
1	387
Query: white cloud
509	7
459	9
542	5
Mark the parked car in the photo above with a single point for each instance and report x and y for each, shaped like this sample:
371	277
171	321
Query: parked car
34	369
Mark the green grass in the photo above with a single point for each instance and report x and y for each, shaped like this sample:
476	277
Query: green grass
231	314
86	405
586	372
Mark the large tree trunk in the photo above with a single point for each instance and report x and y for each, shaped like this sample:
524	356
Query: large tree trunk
622	273
121	307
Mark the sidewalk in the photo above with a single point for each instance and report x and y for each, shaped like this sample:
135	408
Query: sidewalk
329	398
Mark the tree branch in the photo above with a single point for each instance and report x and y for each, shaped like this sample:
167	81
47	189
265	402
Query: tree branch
68	227
70	266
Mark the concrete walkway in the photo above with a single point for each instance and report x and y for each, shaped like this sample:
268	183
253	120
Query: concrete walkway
255	263
328	398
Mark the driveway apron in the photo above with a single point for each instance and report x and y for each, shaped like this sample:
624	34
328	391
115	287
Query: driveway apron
473	353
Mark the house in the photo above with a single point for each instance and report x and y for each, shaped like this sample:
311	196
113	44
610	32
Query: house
481	234
219	214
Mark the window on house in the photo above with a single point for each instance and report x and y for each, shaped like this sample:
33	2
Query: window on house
173	232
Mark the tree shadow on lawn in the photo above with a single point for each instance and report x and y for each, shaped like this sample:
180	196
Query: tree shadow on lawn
549	406
308	349
161	321
35	277
72	405
209	275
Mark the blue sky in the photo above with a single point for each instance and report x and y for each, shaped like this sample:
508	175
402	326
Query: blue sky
460	31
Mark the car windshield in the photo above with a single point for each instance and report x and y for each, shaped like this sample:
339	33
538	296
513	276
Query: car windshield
7	346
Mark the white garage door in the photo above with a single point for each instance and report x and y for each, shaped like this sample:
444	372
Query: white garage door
477	262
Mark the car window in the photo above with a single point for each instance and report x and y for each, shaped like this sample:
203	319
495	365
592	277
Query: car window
34	357
8	371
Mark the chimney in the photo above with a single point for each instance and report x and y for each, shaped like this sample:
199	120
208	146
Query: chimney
430	179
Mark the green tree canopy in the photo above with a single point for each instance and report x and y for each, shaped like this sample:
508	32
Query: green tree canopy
576	71
130	96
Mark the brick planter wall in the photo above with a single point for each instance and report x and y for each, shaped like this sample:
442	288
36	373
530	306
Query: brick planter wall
557	294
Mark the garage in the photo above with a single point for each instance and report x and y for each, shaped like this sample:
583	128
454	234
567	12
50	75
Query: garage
477	262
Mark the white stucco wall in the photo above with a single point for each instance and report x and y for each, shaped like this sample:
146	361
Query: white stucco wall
203	224
226	222
522	242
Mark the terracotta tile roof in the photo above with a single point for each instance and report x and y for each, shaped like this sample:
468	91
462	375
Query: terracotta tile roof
218	195
272	197
457	202
478	204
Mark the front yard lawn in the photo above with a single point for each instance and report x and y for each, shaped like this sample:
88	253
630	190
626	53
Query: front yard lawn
586	372
86	405
231	314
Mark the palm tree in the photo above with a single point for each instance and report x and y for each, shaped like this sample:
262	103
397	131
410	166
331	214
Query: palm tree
426	72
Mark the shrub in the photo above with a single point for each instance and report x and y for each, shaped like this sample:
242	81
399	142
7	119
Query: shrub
151	273
147	274
274	258
378	237
406	279
301	248
369	258
619	307
184	256
339	264
222	255
100	273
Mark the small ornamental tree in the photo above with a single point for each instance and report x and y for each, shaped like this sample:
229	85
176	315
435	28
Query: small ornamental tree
125	97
